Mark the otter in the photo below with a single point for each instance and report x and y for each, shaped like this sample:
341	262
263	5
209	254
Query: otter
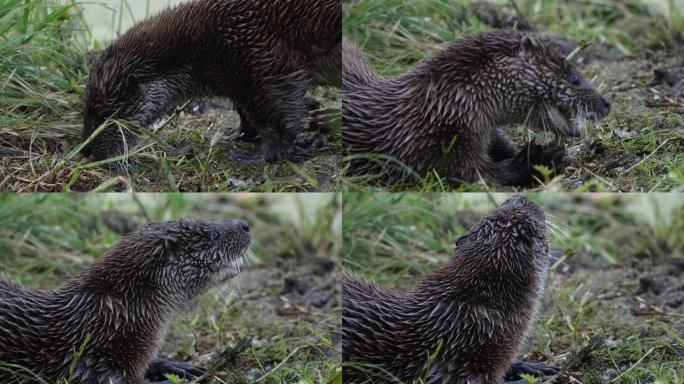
262	54
117	311
465	322
446	113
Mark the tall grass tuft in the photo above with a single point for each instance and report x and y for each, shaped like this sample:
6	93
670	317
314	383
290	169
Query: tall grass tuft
44	63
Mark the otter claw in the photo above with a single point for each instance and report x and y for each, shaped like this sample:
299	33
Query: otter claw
557	158
540	370
161	366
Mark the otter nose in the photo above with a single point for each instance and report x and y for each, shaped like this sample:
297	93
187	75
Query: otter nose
606	103
243	225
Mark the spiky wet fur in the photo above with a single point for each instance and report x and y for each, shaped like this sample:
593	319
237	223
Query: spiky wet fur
478	305
446	113
263	54
123	303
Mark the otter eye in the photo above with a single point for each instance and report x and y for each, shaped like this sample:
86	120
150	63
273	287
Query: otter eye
574	79
214	235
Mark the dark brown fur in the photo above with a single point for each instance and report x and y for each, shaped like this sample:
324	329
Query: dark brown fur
478	305
123	303
263	54
446	113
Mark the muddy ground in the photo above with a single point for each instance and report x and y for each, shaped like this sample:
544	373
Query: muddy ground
628	312
294	303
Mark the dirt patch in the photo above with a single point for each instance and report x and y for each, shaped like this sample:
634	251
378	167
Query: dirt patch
293	302
609	317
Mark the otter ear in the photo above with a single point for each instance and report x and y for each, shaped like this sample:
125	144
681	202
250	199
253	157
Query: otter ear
529	45
170	245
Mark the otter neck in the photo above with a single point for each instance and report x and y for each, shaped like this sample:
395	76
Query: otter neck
502	287
131	282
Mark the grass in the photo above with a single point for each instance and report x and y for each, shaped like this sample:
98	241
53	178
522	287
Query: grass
47	238
622	34
608	246
45	45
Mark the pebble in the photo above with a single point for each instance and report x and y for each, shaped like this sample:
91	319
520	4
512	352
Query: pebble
624	134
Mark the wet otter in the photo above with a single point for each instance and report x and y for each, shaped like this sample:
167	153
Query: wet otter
445	114
478	306
119	308
262	54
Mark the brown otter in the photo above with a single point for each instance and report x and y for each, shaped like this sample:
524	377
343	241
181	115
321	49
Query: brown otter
465	322
118	309
262	54
445	114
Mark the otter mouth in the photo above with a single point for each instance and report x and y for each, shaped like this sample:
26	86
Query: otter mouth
563	124
231	270
573	123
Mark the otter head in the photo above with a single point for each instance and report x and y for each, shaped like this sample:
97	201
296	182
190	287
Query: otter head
550	91
511	241
172	261
203	254
112	92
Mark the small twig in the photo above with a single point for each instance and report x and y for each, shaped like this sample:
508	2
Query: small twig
581	47
262	378
647	157
635	364
141	207
655	310
224	359
601	179
517	9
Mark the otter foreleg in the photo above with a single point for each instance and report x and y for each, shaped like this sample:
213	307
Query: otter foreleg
248	131
279	111
502	147
470	161
521	168
159	367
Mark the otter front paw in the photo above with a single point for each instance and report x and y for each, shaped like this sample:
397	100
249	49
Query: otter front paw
518	368
274	153
555	158
247	134
521	169
159	367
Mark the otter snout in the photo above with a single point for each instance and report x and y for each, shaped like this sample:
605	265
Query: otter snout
235	225
243	225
